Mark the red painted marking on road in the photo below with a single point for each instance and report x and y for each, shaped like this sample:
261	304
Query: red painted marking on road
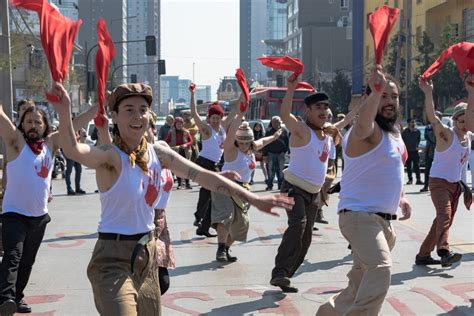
285	307
460	289
261	235
244	292
49	313
74	243
412	233
40	299
322	289
169	299
331	228
438	300
400	307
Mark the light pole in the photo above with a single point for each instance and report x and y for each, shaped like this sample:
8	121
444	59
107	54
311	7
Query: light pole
5	75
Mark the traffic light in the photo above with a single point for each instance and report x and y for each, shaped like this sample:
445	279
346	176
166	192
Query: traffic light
150	45
133	78
161	67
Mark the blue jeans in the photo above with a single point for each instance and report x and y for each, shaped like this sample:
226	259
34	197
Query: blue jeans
77	166
275	165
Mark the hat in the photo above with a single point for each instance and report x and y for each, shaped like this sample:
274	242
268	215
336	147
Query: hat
127	90
244	133
316	98
459	110
215	108
178	120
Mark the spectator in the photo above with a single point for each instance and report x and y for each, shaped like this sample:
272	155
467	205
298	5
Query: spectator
275	153
164	130
70	164
412	136
430	138
180	141
259	132
192	128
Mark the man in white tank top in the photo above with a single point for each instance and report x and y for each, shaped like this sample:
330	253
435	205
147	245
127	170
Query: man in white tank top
302	181
451	154
371	192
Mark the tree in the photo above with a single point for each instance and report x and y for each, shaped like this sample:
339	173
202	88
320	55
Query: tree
339	92
391	64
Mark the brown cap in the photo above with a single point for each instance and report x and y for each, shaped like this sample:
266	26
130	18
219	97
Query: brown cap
129	90
459	110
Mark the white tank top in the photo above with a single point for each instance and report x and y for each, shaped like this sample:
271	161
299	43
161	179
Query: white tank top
448	164
243	164
373	182
166	180
213	147
309	162
332	149
128	206
29	180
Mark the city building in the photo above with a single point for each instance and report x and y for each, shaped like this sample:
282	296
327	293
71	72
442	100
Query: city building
203	93
144	19
169	90
320	34
184	96
228	89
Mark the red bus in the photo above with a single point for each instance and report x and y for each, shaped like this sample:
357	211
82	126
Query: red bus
265	102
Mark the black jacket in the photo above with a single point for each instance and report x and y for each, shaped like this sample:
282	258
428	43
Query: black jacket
411	139
281	145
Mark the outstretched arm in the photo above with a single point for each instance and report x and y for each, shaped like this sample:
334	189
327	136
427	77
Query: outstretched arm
234	112
470	103
262	142
350	116
85	117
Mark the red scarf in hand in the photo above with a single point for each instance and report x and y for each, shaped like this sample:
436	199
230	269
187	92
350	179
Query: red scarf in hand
381	22
305	85
35	146
57	37
102	61
284	63
242	81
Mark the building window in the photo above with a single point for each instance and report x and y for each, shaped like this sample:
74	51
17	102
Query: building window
344	4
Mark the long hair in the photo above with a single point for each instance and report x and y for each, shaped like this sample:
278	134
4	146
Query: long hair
258	134
43	117
387	125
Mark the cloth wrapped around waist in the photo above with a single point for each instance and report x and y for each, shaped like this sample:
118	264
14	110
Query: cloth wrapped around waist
301	183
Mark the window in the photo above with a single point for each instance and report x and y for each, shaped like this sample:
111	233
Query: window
344	4
345	21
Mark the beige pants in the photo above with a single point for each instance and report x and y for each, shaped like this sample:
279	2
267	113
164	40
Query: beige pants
116	290
372	238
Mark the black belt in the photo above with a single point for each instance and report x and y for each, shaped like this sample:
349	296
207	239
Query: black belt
388	217
118	237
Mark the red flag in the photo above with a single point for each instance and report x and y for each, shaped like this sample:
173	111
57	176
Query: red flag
381	22
242	81
57	37
102	62
305	85
463	55
284	63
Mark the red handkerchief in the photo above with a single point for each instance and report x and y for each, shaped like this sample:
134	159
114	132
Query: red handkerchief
102	62
283	63
305	85
242	81
463	55
381	22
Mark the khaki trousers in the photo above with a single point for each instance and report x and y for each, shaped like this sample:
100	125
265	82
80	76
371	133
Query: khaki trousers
372	238
116	290
445	197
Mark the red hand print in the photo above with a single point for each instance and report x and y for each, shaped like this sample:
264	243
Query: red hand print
404	154
43	173
464	158
153	187
324	154
252	163
167	181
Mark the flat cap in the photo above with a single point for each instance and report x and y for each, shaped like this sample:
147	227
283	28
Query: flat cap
127	90
316	98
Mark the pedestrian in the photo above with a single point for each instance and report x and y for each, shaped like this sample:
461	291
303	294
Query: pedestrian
180	140
430	138
259	132
164	130
70	164
192	128
303	180
122	270
229	214
29	153
453	146
275	154
371	193
412	137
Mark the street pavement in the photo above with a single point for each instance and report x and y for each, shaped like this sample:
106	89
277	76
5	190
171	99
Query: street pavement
202	286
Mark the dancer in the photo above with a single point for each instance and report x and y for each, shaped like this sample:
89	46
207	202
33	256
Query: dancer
122	268
453	146
371	192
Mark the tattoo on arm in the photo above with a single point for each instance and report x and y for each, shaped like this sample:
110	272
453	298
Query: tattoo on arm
192	173
104	147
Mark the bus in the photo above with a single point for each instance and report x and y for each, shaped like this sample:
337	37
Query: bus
265	102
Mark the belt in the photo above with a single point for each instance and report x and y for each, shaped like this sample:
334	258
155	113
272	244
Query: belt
388	217
118	237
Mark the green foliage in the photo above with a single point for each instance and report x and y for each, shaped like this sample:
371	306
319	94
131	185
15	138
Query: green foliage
339	92
391	64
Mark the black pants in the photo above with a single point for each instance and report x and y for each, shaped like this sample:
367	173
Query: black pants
203	209
428	163
22	237
413	159
297	237
180	180
77	179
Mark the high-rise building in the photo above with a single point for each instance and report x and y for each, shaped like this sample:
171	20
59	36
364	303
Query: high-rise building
169	90
203	93
69	8
144	19
184	96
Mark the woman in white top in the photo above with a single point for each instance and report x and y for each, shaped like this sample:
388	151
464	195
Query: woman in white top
122	270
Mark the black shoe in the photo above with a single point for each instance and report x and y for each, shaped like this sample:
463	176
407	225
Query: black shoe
96	191
424	189
22	307
251	182
410	182
229	257
448	258
425	261
221	255
196	222
199	232
418	182
188	187
7	308
280	281
320	218
289	289
71	192
268	189
80	191
315	228
179	187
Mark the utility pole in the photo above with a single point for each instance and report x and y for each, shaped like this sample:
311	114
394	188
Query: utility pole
408	57
398	59
6	88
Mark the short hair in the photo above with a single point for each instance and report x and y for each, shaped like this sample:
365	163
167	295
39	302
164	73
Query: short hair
24	101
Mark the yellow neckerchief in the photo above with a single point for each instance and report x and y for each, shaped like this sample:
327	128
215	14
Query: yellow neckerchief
136	156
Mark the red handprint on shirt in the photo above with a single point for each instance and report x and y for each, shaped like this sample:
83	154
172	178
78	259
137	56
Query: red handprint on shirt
464	158
403	153
167	181
324	155
44	171
153	187
252	163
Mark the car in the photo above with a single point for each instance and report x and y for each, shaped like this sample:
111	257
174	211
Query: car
90	128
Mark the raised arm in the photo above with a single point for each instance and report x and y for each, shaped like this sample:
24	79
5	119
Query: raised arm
292	124
262	142
234	112
350	116
81	120
438	127
214	182
103	133
230	139
365	126
203	128
91	157
8	130
470	104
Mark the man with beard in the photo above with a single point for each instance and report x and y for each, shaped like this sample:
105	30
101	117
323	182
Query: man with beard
309	144
453	146
370	196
